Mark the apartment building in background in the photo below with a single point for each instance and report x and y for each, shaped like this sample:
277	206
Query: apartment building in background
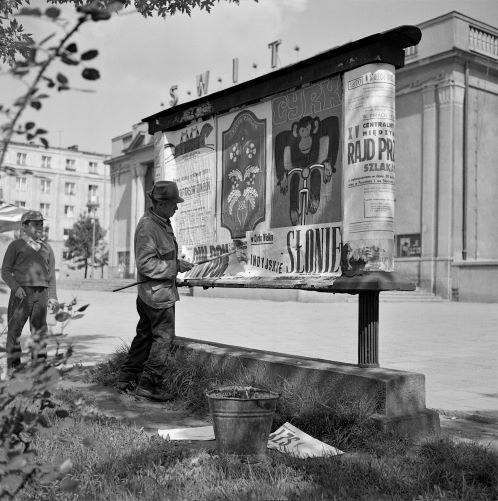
61	183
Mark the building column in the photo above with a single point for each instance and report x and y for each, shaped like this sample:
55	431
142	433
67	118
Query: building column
450	143
137	207
429	188
159	143
140	172
113	258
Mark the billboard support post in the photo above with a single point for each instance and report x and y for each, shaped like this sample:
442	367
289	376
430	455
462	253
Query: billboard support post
368	329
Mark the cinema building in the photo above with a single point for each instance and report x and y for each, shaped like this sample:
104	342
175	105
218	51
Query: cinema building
446	176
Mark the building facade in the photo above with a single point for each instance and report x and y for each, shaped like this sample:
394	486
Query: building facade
446	129
131	173
446	177
61	183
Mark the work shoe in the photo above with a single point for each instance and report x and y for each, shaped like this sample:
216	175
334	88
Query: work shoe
126	386
156	395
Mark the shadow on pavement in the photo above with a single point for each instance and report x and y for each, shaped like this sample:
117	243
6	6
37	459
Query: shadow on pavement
86	348
150	416
479	426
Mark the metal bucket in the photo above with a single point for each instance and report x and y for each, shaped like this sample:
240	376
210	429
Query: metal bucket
242	418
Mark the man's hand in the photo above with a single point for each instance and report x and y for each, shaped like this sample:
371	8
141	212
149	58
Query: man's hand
53	304
184	266
20	293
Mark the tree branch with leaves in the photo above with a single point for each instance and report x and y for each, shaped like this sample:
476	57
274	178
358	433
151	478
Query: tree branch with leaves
30	65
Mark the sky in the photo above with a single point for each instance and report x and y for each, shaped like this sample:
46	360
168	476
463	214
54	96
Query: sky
141	58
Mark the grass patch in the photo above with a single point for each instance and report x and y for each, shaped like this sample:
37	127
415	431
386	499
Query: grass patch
120	462
106	373
111	460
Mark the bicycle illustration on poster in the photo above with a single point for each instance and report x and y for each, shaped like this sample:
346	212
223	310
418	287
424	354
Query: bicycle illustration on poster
307	177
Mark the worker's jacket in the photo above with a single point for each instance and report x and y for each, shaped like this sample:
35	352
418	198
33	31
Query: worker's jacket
156	254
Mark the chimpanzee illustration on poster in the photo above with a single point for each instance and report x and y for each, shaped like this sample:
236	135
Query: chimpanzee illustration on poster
307	175
243	181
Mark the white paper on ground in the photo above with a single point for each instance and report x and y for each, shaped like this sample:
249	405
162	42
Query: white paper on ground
291	440
197	433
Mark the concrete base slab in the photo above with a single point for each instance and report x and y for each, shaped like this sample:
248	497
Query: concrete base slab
399	395
413	425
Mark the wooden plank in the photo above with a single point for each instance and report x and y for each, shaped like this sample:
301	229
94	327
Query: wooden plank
375	281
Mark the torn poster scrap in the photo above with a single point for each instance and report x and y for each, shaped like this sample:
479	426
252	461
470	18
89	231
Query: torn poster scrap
291	440
196	433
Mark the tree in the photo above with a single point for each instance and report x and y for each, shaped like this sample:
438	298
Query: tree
80	239
101	256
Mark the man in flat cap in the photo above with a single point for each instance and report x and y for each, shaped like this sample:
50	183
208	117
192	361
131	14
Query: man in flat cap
29	270
156	257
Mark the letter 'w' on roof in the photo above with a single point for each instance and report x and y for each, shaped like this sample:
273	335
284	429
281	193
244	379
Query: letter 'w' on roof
10	217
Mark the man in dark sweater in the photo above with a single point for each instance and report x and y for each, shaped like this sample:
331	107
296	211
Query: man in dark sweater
29	270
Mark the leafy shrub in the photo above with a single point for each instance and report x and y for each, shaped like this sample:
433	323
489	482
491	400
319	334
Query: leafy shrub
25	397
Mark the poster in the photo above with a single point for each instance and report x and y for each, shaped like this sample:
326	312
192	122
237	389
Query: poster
242	169
190	161
369	169
295	250
216	260
291	440
291	252
306	179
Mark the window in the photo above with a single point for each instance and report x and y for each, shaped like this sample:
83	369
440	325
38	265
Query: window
66	255
409	245
92	167
44	209
46	162
45	185
21	159
70	164
46	230
124	258
20	203
70	189
69	210
93	194
67	232
21	183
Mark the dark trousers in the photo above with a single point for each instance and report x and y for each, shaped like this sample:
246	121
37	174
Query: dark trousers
34	307
147	357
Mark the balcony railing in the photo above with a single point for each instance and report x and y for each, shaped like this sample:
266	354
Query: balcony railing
411	52
483	42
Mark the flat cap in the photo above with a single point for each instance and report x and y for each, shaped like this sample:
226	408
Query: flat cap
31	215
